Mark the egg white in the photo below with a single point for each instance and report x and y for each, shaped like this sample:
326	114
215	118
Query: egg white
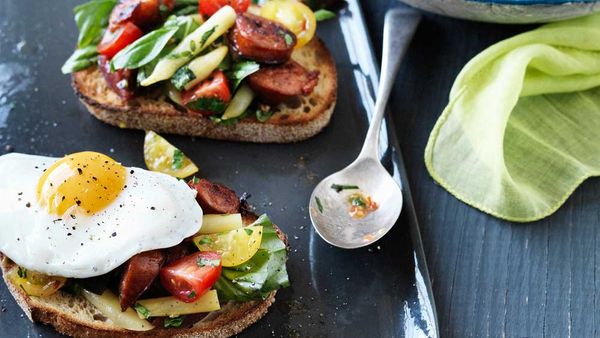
153	211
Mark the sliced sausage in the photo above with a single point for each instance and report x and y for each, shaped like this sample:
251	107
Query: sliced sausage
121	81
278	84
215	198
261	39
143	13
140	271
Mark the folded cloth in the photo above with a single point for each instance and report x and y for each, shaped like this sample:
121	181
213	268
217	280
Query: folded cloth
522	128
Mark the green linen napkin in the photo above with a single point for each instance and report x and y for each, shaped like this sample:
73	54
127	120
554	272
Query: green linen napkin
522	128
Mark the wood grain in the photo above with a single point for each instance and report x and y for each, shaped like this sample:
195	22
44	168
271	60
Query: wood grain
490	278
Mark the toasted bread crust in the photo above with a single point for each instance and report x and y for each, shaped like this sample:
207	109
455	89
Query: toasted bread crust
74	316
153	111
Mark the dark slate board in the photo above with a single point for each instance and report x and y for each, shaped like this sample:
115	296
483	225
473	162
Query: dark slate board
382	290
490	278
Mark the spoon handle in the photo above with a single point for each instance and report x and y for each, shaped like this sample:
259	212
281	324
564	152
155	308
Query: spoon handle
398	30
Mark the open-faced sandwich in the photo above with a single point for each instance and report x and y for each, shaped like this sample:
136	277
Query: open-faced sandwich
97	249
219	69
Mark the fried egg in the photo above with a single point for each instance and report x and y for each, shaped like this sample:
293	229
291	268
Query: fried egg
85	214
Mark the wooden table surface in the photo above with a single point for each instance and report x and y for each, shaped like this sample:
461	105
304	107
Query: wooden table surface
490	277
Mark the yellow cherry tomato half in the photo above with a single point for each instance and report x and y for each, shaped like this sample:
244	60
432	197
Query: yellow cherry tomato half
162	156
35	283
295	16
235	246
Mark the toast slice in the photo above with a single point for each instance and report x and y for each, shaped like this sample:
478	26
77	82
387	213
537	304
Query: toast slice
152	110
75	316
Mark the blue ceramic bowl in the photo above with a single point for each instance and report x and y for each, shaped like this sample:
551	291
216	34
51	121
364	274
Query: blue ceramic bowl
509	11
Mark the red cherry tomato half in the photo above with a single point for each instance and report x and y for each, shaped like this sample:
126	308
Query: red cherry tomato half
209	96
190	277
113	41
210	7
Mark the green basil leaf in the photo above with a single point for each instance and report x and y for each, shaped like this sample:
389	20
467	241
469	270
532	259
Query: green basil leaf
91	19
323	14
143	50
262	274
240	71
185	25
80	59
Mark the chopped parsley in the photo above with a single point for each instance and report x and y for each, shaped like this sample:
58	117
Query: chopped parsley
174	322
195	179
184	54
248	231
193	45
191	295
141	310
22	272
178	158
340	187
207	35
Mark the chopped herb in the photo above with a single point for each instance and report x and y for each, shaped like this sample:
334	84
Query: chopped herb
174	322
182	76
323	14
195	179
184	54
142	311
289	40
191	295
357	200
340	187
248	231
205	240
207	35
202	262
192	45
263	115
22	272
319	205
211	104
178	158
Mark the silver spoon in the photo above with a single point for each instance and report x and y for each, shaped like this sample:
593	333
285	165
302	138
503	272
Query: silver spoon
329	209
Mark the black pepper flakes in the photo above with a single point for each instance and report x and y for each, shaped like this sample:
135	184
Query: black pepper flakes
114	234
152	208
79	171
28	205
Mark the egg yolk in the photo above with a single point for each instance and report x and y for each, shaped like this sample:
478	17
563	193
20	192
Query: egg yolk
84	182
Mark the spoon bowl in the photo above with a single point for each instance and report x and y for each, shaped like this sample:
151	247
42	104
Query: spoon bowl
330	209
335	225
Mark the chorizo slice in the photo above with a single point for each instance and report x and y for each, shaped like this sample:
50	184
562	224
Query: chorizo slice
140	271
261	40
215	198
278	84
121	81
